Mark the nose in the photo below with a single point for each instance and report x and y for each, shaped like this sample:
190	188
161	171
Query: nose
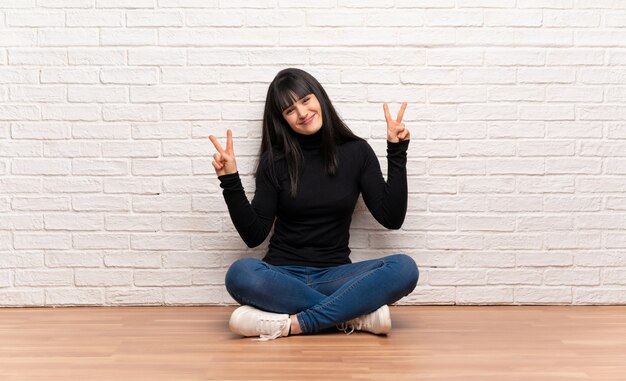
301	110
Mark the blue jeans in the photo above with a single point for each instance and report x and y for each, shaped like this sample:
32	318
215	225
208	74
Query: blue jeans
322	297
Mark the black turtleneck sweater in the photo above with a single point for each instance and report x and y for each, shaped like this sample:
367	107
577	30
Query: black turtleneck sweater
314	228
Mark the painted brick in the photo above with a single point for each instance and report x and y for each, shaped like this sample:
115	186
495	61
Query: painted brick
515	170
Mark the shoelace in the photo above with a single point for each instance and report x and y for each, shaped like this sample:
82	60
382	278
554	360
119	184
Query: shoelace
345	326
355	324
269	325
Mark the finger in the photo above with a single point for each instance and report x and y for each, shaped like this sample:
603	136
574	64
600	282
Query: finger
217	166
229	141
387	114
217	145
217	157
401	113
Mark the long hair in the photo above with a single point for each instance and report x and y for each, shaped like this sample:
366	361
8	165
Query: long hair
278	141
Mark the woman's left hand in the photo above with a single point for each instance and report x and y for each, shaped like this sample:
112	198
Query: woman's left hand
396	131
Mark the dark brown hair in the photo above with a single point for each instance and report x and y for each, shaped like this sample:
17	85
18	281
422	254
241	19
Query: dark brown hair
278	141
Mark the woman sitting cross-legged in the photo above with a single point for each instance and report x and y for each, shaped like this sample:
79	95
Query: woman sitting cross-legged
310	173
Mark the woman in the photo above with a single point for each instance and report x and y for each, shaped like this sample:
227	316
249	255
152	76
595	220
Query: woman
310	172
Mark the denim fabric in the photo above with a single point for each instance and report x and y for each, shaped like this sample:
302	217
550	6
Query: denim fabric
322	297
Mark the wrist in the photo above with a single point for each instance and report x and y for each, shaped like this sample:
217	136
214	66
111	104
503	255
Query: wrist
227	174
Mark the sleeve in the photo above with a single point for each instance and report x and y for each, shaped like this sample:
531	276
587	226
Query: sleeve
252	220
387	201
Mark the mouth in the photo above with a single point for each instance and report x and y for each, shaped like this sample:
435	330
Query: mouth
307	121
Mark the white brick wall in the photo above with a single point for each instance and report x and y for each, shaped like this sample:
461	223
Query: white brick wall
516	169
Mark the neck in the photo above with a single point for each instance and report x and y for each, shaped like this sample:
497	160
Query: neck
309	142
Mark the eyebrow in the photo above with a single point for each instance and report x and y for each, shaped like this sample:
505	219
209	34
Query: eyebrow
308	95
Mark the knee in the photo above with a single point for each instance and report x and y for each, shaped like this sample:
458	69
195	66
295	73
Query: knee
407	270
240	275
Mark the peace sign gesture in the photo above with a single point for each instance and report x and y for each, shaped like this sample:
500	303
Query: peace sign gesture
224	161
396	131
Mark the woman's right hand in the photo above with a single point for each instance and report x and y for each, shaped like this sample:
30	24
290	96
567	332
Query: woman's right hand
224	161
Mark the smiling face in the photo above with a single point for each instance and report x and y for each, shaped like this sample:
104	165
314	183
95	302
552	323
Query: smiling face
305	115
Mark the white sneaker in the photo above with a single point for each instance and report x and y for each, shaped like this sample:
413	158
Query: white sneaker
378	322
250	321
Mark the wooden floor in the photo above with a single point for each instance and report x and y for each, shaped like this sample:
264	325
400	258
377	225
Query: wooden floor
541	343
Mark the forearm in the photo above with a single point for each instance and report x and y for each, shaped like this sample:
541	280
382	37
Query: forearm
253	225
396	190
386	200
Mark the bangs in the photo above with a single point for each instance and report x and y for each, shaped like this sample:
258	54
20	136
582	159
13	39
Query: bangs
289	91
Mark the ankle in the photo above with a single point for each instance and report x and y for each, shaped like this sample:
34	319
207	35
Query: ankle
295	325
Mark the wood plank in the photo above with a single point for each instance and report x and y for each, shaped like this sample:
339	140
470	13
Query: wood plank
503	343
